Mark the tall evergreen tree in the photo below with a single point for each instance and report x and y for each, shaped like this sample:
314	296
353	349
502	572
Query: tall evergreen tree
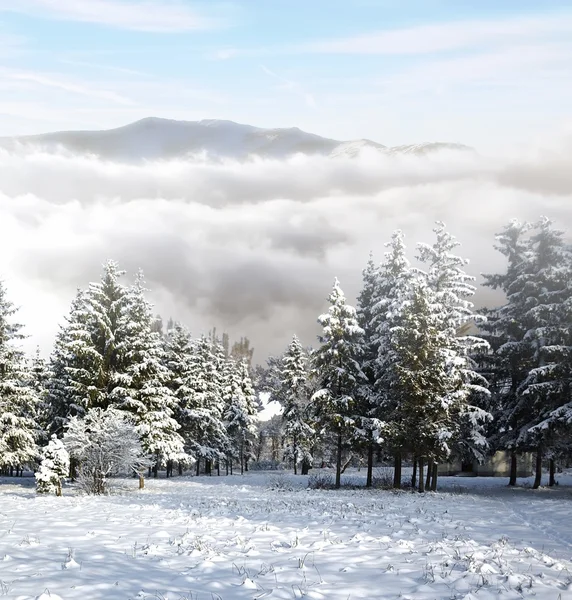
298	431
506	330
18	400
545	394
240	410
392	288
452	288
141	387
338	371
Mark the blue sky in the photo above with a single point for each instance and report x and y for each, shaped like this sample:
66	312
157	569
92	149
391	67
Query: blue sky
487	73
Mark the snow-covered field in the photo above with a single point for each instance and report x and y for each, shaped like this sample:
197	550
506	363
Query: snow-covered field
207	538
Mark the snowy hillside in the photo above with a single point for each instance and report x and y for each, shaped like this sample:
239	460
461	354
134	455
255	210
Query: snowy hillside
267	536
154	138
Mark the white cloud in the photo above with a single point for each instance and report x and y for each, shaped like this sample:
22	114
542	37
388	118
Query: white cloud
445	37
249	247
56	82
159	16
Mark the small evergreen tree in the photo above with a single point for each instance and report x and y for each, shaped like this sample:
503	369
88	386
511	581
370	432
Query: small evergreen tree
296	393
54	467
338	371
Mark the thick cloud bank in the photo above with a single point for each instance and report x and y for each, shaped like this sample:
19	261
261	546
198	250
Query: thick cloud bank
251	247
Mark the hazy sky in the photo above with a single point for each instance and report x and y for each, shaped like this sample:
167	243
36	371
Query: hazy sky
489	73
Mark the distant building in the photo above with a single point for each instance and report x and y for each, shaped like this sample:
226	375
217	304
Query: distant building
498	465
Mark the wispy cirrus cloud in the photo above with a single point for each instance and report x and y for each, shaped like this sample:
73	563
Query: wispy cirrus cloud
294	87
154	16
56	82
450	36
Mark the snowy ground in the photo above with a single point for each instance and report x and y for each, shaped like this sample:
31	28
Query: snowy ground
235	538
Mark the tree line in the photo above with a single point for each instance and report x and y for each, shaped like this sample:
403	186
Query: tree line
414	372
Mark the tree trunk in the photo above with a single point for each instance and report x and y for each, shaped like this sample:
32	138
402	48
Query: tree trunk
242	457
552	480
295	452
141	481
231	466
369	476
59	488
246	463
305	466
538	477
434	478
208	466
429	474
414	476
180	465
169	468
421	478
397	471
513	468
198	470
156	467
339	461
218	466
347	463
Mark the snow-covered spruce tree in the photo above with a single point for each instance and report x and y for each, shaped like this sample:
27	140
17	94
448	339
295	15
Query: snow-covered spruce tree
18	400
545	395
425	385
105	443
446	276
141	384
338	372
88	356
39	376
296	396
392	287
70	367
506	330
204	429
179	351
368	398
54	467
240	411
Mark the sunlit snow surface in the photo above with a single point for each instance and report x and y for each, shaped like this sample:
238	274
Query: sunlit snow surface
236	538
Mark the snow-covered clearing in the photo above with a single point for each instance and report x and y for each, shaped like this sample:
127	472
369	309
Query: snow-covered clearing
236	538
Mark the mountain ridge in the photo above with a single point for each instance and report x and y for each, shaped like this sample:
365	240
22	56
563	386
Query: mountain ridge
155	138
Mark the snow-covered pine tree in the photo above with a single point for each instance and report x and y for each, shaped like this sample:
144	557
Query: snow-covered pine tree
179	362
446	276
545	394
70	366
204	429
87	361
506	330
54	467
424	384
18	400
141	384
338	371
368	398
240	410
393	286
40	375
298	429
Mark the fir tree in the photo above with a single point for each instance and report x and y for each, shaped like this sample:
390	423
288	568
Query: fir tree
338	371
452	289
298	431
240	410
54	467
19	402
141	386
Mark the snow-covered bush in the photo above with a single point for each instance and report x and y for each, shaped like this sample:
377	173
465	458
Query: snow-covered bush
104	443
54	467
